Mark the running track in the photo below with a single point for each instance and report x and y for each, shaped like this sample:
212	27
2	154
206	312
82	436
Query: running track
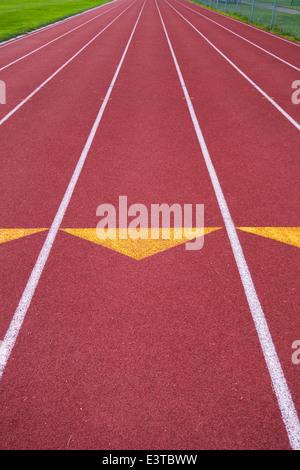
162	101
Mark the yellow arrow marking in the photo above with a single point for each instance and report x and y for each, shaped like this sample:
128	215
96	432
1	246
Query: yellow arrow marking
8	234
143	247
289	235
153	241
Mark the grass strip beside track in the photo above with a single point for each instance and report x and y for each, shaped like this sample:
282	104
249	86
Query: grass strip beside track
21	16
287	21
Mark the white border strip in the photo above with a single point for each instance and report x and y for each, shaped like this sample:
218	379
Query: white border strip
284	113
20	313
8	115
31	33
283	394
256	28
55	39
239	36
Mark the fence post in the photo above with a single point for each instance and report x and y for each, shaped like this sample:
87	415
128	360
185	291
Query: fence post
273	15
237	7
253	3
217	4
226	6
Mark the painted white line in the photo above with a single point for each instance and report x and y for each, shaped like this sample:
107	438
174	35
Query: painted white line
20	313
55	39
284	398
24	101
276	36
284	113
239	36
48	26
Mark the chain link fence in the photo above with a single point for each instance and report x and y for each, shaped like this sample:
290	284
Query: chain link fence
277	15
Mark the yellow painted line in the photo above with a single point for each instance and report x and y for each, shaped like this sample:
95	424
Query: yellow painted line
151	241
146	242
288	235
8	234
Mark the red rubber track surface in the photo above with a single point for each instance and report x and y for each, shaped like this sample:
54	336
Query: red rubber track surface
273	43
160	353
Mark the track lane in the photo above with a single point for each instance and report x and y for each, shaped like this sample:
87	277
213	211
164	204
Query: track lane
255	149
182	363
32	189
149	329
24	79
264	38
239	36
57	27
275	273
8	58
134	330
293	379
270	77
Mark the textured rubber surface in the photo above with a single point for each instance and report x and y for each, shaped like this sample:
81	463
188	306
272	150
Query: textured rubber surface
160	352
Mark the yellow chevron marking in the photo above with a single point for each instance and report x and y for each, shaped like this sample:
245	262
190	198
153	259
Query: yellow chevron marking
142	247
153	241
8	234
289	235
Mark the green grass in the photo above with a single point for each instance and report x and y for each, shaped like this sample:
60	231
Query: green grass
286	25
295	5
21	16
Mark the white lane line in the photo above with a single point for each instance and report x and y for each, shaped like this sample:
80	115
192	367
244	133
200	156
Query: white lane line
284	113
8	115
8	42
20	313
276	36
239	36
55	39
284	398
